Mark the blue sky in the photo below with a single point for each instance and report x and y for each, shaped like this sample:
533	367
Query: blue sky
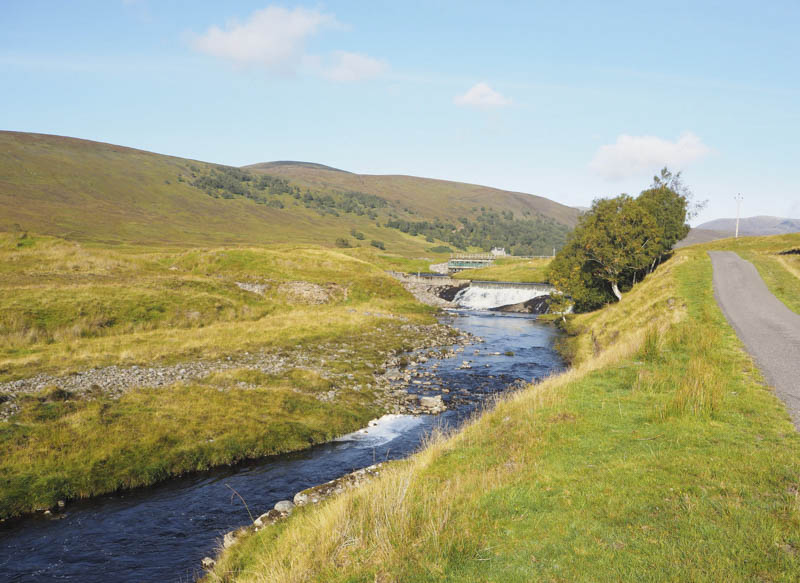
570	100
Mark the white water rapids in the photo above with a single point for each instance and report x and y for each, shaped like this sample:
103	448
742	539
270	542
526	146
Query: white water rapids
477	297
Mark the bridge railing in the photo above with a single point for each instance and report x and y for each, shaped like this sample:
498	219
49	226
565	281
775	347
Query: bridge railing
513	284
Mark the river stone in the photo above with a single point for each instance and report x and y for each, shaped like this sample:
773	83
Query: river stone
432	404
285	506
229	539
207	563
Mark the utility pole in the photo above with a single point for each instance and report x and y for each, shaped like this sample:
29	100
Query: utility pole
738	198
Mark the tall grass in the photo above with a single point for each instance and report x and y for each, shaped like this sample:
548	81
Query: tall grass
659	457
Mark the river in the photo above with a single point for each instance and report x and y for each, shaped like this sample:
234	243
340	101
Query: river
161	533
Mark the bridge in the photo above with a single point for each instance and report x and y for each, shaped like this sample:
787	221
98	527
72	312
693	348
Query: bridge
462	261
541	286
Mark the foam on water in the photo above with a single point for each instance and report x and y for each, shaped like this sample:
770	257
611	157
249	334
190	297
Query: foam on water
476	297
383	430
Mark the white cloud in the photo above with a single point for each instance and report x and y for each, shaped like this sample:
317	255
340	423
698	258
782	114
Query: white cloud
483	96
354	67
635	155
273	37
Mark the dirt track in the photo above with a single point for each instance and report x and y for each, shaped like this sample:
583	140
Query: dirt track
769	330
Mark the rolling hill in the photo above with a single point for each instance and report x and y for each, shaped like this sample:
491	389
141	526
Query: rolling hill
93	191
426	196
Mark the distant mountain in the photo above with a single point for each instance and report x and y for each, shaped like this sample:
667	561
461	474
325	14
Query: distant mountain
697	236
94	191
754	226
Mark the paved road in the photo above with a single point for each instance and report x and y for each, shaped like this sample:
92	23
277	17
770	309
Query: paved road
769	330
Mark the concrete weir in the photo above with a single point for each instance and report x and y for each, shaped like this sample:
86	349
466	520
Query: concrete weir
502	295
509	296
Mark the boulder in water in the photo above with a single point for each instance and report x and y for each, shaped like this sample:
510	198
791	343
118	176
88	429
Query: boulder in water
537	305
432	405
207	563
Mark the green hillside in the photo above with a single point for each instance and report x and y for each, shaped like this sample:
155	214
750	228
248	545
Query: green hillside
98	192
425	196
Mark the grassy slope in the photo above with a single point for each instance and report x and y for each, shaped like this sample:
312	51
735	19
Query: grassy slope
66	307
659	456
526	270
91	191
427	196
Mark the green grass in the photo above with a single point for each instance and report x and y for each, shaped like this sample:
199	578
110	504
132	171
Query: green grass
67	307
521	270
660	456
63	446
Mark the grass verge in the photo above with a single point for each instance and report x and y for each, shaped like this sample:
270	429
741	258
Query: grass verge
781	273
660	456
520	270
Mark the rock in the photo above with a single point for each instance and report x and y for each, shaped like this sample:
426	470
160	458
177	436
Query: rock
207	563
270	517
301	498
61	504
433	405
285	506
229	539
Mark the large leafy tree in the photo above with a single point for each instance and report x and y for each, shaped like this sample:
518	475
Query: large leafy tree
619	240
669	202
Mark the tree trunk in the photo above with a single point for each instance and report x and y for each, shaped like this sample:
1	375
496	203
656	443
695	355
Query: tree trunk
615	289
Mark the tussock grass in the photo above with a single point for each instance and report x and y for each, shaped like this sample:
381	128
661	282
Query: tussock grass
510	269
658	456
64	307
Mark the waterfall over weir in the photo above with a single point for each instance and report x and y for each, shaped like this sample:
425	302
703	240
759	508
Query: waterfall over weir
490	295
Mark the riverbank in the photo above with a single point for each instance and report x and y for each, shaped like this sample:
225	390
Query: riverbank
121	368
659	455
162	533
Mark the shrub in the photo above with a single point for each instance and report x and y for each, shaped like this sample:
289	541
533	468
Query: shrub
378	244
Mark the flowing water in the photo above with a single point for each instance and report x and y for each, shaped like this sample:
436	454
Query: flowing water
487	297
162	532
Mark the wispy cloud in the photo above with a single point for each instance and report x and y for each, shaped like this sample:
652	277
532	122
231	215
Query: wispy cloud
275	39
354	67
634	155
482	96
